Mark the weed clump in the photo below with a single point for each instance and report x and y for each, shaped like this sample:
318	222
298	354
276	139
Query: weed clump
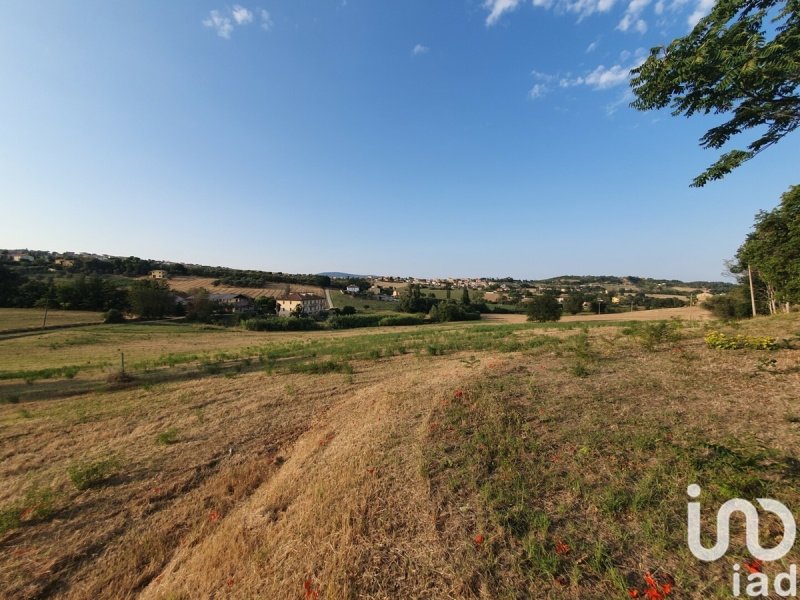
719	341
85	475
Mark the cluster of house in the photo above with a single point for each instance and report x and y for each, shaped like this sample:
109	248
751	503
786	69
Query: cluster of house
311	304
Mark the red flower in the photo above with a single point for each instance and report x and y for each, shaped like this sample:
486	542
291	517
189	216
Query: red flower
311	591
633	593
478	539
458	394
754	566
562	548
213	516
230	581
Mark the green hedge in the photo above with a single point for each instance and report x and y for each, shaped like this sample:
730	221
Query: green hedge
280	324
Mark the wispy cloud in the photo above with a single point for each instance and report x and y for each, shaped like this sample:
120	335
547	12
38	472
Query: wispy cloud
496	9
592	47
222	25
600	78
241	15
224	22
266	20
702	8
419	49
631	19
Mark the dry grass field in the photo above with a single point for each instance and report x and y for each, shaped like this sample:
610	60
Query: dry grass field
456	461
187	284
20	318
688	313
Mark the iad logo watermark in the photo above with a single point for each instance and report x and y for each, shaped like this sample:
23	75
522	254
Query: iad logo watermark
784	584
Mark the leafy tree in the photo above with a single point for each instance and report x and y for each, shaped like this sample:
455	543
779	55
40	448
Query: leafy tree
573	303
151	299
266	305
200	307
348	310
544	308
772	249
10	282
465	297
743	59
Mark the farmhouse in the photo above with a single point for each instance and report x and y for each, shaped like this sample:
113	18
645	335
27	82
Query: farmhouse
22	258
235	302
352	289
311	303
159	274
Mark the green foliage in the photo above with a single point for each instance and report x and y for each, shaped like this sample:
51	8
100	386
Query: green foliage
414	301
720	341
321	367
280	324
357	320
744	59
151	299
733	305
773	249
85	475
543	308
659	333
449	310
165	438
573	303
200	308
114	316
347	310
401	320
38	504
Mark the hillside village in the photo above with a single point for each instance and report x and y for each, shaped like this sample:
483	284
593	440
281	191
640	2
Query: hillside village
239	291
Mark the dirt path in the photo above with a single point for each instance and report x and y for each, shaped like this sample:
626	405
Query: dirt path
348	514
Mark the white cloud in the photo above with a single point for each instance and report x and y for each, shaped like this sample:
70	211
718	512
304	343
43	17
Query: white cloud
591	47
241	15
702	8
537	91
496	9
631	18
419	49
603	78
222	25
266	20
238	16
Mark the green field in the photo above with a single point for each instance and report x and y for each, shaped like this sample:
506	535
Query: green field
361	304
19	318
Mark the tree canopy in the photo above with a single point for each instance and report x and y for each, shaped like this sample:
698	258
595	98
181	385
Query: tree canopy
743	59
773	249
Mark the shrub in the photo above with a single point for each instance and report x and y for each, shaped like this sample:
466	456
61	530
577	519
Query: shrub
165	438
652	335
114	316
347	310
321	368
280	324
450	311
543	308
351	321
400	320
729	306
85	475
720	341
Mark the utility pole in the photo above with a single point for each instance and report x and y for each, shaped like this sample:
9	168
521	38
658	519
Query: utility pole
752	293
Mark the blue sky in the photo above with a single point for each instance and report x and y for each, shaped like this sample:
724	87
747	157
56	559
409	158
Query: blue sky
462	138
